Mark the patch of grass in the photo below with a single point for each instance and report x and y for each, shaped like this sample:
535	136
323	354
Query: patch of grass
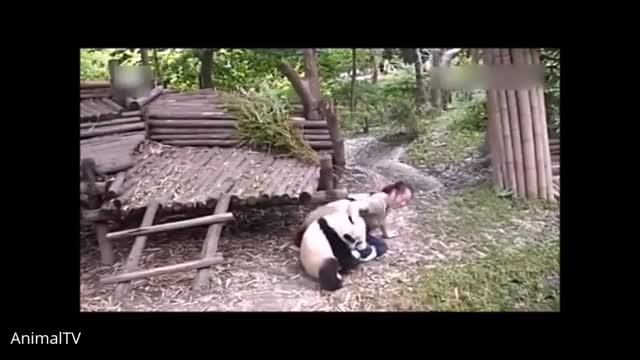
526	279
444	139
481	216
480	206
520	262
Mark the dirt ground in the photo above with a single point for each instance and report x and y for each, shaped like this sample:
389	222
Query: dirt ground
263	273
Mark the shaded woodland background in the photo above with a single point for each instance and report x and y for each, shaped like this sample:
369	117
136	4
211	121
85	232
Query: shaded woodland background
385	91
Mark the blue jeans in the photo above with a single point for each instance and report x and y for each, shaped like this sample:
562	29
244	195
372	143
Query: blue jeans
375	244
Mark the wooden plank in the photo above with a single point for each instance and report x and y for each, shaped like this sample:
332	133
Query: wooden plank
112	130
146	230
210	246
120	121
136	250
186	266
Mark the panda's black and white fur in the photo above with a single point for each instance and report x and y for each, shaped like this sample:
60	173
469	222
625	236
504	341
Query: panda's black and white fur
329	245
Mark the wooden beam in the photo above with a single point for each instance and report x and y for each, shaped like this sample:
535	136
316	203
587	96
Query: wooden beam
136	250
116	187
324	196
146	230
186	266
326	172
210	246
119	121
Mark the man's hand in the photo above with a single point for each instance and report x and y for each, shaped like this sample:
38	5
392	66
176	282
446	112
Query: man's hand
390	234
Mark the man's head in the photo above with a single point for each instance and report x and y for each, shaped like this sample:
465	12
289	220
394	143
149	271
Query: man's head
400	193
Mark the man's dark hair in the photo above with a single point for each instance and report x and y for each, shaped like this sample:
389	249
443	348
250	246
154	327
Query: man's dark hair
399	187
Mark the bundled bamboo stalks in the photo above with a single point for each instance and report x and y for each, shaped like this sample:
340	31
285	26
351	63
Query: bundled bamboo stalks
518	139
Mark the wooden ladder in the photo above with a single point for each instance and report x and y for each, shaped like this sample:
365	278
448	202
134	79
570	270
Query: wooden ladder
209	255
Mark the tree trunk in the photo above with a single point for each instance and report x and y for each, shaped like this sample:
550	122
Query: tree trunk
144	54
435	94
156	66
421	92
353	82
303	92
312	80
206	68
524	160
375	63
448	56
311	72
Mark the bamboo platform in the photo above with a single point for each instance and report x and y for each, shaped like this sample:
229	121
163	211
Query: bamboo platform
197	177
181	153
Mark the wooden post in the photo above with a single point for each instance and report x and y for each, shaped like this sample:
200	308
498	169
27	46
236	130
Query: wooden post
211	241
94	201
329	114
326	173
136	250
116	187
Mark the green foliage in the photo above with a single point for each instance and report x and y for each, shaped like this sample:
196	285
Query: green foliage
390	102
551	60
470	116
93	65
264	122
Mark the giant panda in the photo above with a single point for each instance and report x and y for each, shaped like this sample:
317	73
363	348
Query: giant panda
330	245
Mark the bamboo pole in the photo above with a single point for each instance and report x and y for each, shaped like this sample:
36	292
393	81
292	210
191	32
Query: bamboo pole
528	138
186	266
210	246
494	128
510	174
541	173
136	250
516	140
153	229
535	55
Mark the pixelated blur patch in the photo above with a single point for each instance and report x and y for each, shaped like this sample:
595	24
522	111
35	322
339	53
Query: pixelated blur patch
493	77
129	77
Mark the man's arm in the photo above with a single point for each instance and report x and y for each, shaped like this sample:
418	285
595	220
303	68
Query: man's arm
386	231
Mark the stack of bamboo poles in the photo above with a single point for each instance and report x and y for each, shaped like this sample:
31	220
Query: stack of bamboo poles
518	136
94	89
199	120
125	123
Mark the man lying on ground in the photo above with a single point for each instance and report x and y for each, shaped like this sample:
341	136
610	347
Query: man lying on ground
374	209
